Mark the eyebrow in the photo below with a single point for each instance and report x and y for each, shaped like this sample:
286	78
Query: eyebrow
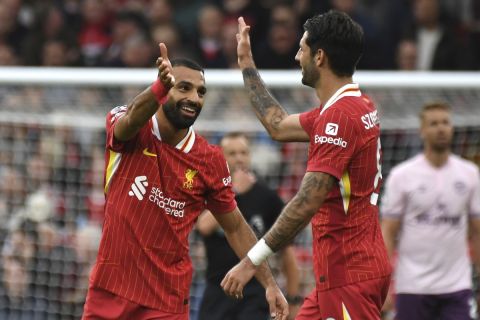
185	82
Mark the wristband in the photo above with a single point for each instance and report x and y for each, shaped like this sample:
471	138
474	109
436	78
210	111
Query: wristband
159	91
259	252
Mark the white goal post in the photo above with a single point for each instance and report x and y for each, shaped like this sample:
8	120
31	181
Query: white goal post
398	95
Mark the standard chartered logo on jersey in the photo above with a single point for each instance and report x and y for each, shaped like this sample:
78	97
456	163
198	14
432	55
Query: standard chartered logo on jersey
171	206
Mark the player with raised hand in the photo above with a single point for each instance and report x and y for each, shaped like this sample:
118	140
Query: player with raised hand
159	176
339	191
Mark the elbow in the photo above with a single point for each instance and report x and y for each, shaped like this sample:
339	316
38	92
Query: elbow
276	135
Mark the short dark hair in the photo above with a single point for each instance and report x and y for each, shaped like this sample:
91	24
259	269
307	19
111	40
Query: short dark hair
339	36
185	62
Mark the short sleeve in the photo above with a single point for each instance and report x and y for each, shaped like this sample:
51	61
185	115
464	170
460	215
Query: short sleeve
220	198
393	200
307	120
474	207
112	118
333	143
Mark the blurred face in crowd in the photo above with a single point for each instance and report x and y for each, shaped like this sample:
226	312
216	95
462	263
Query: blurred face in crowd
310	74
160	12
137	53
54	54
210	22
7	56
186	98
436	129
237	152
7	19
347	6
93	10
283	33
407	55
426	12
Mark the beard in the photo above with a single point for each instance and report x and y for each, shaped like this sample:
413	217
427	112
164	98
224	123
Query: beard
173	112
441	147
310	75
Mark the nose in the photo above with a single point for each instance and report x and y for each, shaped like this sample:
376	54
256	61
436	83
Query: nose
297	56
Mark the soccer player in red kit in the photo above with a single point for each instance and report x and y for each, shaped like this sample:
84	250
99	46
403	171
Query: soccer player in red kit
339	191
159	176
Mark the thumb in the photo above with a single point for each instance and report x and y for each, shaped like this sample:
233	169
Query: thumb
163	51
246	31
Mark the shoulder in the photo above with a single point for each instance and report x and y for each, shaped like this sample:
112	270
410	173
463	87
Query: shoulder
203	146
465	164
407	167
115	114
359	110
211	155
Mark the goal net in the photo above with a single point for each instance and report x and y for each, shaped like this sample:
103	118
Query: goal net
52	157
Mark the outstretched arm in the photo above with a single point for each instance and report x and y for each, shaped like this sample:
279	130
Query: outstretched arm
146	104
280	125
294	217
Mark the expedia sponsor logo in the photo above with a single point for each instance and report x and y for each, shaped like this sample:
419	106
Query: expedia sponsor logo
331	129
171	206
335	141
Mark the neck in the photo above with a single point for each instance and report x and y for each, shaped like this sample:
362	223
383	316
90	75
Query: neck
436	158
168	132
329	84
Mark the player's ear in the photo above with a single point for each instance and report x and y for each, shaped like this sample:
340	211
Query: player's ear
320	57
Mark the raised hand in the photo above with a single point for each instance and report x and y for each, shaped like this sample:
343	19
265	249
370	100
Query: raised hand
165	67
244	49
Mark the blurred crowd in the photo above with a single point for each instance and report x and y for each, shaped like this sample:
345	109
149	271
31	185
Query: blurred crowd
400	34
51	209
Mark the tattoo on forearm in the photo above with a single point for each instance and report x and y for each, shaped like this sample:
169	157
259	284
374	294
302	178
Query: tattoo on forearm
266	106
299	211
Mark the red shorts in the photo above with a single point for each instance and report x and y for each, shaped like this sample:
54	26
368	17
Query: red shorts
361	300
101	304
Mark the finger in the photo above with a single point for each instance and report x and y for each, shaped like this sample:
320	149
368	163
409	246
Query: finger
163	51
245	31
241	24
227	288
273	308
285	310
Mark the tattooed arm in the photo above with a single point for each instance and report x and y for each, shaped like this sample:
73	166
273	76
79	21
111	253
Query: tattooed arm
294	217
300	210
280	125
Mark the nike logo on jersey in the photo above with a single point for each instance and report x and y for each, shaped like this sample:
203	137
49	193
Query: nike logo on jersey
138	187
147	153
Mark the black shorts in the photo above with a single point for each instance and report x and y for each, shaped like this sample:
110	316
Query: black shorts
217	306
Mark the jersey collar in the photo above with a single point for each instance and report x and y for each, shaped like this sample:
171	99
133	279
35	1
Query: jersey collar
185	145
348	90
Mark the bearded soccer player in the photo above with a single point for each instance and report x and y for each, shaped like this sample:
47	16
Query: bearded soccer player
339	191
160	175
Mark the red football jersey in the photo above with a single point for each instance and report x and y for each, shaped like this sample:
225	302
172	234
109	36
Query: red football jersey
154	194
344	135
